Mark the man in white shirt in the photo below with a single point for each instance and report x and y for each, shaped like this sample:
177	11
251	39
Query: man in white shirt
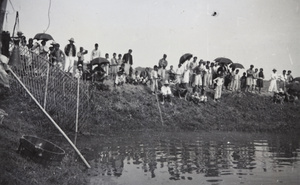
96	52
166	93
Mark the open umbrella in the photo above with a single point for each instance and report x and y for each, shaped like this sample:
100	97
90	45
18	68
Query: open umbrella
99	60
185	57
236	65
43	36
223	60
296	79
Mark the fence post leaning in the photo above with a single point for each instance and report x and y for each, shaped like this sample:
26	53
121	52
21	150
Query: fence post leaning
77	105
46	88
54	123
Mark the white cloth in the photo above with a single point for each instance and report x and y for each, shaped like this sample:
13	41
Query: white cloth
95	54
273	83
166	90
69	64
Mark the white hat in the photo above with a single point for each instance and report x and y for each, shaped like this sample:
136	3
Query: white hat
71	40
166	82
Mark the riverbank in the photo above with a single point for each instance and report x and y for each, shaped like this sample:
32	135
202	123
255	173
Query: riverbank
130	108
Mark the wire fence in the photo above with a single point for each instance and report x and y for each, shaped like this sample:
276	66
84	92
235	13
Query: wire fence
53	88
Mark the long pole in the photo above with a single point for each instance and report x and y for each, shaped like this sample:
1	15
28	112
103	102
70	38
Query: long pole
46	88
54	123
161	119
77	105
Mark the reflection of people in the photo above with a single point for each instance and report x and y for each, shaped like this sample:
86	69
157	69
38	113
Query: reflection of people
118	165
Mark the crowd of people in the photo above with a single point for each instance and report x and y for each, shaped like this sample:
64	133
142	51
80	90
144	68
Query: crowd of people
190	77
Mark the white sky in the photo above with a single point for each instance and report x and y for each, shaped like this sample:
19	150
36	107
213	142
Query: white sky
264	33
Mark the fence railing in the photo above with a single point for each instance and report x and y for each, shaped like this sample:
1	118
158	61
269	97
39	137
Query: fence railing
54	89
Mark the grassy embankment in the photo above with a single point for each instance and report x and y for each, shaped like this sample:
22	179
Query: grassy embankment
131	108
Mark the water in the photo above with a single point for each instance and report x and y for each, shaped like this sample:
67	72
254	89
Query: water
178	158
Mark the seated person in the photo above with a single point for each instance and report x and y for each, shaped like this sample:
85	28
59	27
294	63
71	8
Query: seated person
79	71
279	97
120	78
99	73
136	78
145	76
166	93
203	97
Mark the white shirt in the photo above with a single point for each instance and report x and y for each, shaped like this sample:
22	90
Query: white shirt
166	90
95	54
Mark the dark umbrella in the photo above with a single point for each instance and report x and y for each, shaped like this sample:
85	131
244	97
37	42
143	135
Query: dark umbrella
296	79
185	57
43	36
237	65
99	61
223	60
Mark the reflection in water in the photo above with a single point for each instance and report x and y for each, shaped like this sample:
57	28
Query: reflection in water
180	158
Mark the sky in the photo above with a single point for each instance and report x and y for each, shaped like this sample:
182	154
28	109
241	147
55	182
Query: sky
264	33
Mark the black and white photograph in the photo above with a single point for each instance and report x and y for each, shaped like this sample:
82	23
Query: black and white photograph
149	92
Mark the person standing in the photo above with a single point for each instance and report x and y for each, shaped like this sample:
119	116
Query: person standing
70	52
283	80
154	77
255	77
260	80
114	65
128	61
273	83
95	52
197	82
218	92
289	76
80	56
193	66
162	64
186	74
106	68
250	73
235	80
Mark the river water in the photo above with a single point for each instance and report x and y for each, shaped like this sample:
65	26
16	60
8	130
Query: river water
190	158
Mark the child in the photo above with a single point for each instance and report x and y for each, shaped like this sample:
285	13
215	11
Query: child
218	91
243	82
